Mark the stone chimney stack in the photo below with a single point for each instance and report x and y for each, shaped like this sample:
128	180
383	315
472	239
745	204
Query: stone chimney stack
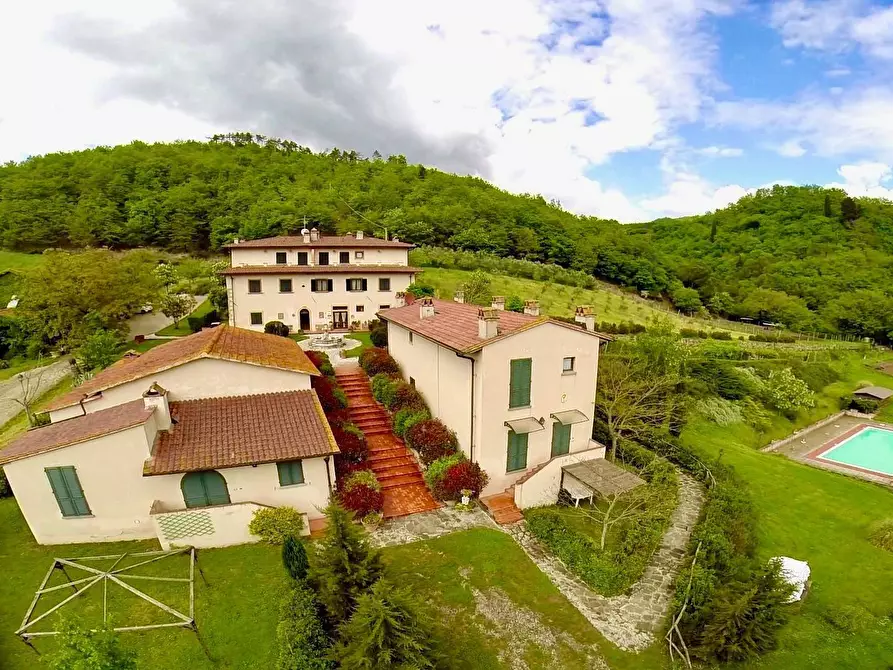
586	316
395	239
400	299
488	323
359	234
156	397
314	235
460	296
306	235
532	307
498	302
426	308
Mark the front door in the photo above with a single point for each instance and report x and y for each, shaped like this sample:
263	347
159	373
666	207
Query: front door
561	439
339	318
304	320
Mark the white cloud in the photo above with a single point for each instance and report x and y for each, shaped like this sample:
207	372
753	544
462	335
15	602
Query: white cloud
720	152
865	179
835	25
838	72
791	149
689	194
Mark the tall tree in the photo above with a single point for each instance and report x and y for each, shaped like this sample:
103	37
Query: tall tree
827	207
849	210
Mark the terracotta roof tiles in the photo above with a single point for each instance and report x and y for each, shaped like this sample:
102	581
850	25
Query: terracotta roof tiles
319	269
324	241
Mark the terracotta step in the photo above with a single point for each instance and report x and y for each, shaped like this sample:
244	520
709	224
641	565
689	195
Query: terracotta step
403	480
503	517
385	474
498	501
382	430
389	465
385	455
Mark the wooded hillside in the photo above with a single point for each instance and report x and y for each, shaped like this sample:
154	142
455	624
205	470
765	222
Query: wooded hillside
809	258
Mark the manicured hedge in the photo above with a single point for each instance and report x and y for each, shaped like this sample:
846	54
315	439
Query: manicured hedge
351	442
448	476
375	361
408	417
331	397
432	439
361	493
322	362
276	328
303	643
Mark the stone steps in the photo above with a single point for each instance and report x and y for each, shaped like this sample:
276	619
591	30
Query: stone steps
502	507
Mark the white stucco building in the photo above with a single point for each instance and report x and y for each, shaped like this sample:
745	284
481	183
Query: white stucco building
183	442
518	389
311	282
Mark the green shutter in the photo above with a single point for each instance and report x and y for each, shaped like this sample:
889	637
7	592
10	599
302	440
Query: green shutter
330	285
517	452
290	473
215	488
347	284
67	489
561	439
519	384
201	489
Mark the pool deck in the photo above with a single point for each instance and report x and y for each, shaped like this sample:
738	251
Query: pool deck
808	444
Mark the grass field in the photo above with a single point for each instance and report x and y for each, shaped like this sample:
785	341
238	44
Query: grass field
824	519
182	329
363	337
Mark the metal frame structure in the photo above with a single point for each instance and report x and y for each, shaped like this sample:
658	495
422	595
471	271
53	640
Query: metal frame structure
115	575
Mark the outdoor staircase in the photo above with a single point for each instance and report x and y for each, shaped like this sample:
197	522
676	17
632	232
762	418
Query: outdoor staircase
502	507
402	484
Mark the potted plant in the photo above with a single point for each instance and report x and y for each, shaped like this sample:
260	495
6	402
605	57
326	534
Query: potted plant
372	521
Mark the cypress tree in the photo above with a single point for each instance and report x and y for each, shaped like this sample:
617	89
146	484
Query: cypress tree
828	212
345	565
387	630
294	558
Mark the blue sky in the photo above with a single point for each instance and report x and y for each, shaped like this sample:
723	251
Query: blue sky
626	109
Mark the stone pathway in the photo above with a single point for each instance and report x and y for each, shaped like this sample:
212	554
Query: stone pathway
629	620
428	525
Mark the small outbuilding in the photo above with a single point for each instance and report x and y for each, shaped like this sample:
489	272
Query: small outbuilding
873	393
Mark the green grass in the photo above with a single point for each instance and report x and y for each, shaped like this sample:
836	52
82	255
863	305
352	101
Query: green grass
886	412
298	337
183	328
19	423
824	519
363	337
14	260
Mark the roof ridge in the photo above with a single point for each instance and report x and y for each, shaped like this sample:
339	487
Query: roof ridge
244	395
212	342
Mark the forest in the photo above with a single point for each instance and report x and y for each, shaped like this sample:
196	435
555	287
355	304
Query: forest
809	258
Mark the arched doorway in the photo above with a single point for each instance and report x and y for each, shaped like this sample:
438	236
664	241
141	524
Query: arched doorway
201	489
304	320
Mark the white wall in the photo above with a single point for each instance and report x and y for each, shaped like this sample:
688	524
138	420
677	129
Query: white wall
228	523
202	378
371	256
551	392
271	303
442	377
542	488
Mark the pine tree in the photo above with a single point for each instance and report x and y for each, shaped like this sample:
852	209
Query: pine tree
849	210
828	212
345	566
294	558
386	631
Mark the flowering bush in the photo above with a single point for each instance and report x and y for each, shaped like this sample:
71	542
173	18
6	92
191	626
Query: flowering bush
361	493
408	417
331	397
375	361
432	439
321	360
786	392
351	442
460	476
437	470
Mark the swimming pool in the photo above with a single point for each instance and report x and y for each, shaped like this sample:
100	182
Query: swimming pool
869	449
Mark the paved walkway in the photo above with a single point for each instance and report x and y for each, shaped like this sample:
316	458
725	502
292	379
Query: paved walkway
428	525
630	620
11	389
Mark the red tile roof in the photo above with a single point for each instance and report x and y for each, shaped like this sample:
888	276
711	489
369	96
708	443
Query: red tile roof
223	343
324	241
319	269
244	430
76	430
455	325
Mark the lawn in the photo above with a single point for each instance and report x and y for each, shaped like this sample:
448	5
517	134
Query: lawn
181	329
824	519
362	337
19	423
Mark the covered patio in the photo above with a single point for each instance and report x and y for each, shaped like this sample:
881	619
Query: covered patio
597	477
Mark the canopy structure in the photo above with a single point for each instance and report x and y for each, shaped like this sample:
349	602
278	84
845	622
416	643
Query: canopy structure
796	573
117	577
876	392
602	477
528	424
569	417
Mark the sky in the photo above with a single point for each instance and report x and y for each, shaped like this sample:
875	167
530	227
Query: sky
624	109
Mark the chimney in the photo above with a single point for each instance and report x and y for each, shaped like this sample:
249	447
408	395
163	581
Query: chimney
460	296
498	302
236	241
306	235
488	323
586	316
400	299
359	234
532	307
314	235
426	311
156	397
395	239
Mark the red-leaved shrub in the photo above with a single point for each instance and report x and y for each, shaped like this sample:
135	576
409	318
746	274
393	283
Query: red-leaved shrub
321	361
362	499
330	396
462	475
375	360
406	397
432	439
351	442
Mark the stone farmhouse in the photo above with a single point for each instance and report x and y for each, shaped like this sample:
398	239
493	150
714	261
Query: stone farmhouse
518	389
183	442
314	282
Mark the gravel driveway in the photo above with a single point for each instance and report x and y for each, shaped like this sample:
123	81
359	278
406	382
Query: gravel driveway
11	389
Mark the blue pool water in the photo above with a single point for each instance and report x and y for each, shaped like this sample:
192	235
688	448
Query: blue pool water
870	449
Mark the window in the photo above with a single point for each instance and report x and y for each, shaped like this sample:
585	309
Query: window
67	489
290	473
358	254
323	258
281	316
384	307
344	257
257	318
302	258
356	285
285	285
410	337
412	382
361	308
561	439
519	383
201	489
321	286
281	258
254	286
568	364
517	452
384	283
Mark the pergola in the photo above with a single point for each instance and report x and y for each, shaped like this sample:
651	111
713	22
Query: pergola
597	477
119	575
